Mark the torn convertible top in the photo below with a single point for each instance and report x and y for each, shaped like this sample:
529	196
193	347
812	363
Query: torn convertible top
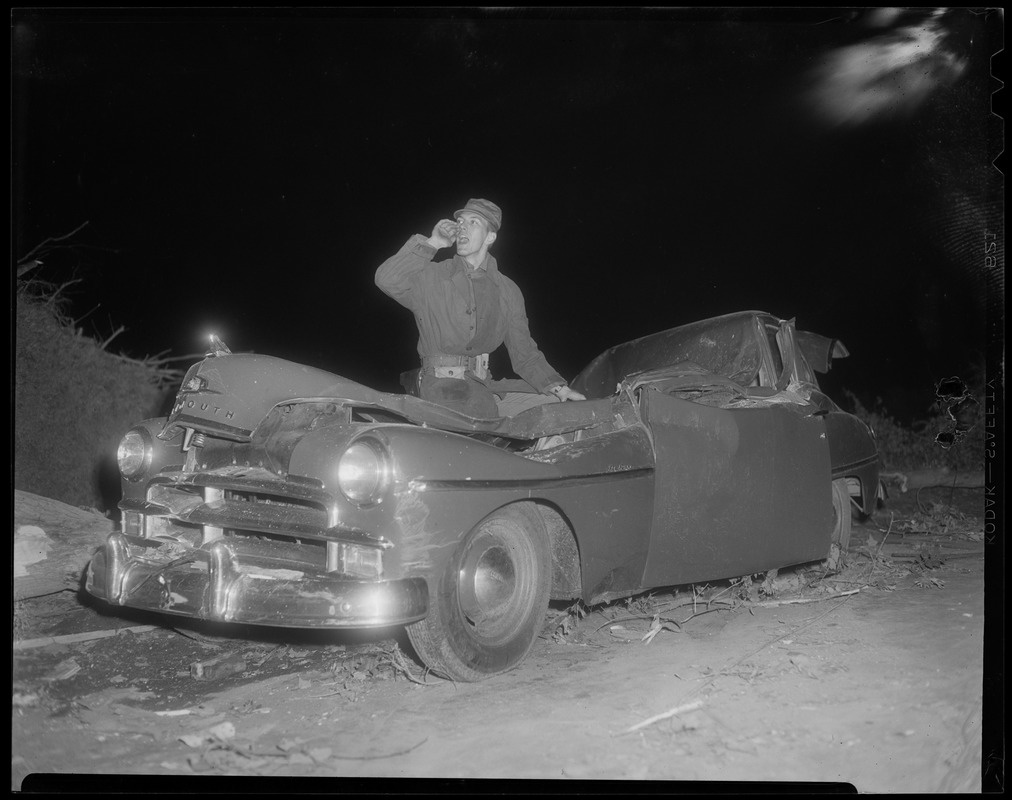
723	346
819	351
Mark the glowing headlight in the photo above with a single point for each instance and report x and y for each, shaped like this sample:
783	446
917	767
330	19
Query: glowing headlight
362	472
134	453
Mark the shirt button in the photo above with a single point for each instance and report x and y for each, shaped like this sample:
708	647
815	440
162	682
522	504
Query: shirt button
469	312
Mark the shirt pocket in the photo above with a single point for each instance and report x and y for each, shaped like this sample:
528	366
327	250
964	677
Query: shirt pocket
458	306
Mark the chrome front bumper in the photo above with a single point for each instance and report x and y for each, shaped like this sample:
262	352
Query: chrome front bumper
230	581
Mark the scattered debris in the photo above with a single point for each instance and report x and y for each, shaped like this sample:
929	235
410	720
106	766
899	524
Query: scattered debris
24	700
204	639
565	623
657	625
116	700
258	661
81	637
744	670
220	667
65	669
221	732
769	587
621	632
359	665
939	519
744	590
222	754
874	556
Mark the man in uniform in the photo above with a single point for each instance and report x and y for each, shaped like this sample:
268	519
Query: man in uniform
465	308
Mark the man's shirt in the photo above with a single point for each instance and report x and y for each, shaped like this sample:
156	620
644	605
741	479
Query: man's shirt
462	311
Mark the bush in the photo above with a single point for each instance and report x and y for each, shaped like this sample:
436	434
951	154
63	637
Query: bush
73	401
925	443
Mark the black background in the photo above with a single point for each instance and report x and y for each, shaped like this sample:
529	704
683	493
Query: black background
246	172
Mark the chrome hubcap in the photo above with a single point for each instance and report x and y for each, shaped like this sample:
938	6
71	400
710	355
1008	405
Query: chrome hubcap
494	580
489	588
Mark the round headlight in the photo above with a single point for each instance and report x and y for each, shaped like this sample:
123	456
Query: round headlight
134	453
362	472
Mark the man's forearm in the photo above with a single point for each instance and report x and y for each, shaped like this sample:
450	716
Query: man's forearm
536	370
394	276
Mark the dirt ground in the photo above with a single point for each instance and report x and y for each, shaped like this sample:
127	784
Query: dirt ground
870	677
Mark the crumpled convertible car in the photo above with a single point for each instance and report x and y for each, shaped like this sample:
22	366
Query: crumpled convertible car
281	495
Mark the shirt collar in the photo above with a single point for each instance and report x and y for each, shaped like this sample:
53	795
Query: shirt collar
488	266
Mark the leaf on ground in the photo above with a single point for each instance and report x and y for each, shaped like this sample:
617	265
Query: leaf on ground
930	561
656	626
65	669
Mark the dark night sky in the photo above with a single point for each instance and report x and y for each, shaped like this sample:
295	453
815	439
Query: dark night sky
246	172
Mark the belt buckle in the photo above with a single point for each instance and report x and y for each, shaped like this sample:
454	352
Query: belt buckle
450	372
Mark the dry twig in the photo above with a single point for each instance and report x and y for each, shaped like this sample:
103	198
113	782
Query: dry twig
71	638
874	558
51	240
104	345
666	715
799	600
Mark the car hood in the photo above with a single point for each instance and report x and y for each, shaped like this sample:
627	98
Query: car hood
229	395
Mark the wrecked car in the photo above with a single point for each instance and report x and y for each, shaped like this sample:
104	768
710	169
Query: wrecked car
279	494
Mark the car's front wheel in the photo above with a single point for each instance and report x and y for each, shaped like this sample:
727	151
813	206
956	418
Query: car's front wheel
488	607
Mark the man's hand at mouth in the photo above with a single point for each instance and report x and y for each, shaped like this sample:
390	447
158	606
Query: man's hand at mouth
444	234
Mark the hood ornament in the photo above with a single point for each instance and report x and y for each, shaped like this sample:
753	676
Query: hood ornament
217	347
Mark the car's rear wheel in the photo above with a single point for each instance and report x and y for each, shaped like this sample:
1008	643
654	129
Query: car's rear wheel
842	522
843	517
488	607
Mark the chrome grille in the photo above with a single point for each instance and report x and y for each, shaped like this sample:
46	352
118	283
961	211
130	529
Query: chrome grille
231	500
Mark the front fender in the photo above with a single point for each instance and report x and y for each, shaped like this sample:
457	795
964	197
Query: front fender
418	518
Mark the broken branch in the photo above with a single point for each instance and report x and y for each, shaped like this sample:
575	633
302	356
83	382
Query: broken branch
81	637
51	240
674	712
775	603
104	345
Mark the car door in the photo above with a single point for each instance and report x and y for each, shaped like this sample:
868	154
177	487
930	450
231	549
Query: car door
742	486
